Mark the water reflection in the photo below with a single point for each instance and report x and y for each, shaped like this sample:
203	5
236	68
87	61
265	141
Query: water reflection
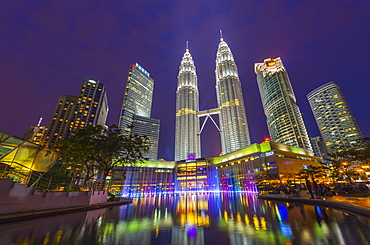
195	219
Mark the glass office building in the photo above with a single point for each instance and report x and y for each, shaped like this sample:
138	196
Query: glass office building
284	119
318	146
333	116
137	106
149	127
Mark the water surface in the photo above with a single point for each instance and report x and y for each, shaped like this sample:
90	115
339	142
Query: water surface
195	219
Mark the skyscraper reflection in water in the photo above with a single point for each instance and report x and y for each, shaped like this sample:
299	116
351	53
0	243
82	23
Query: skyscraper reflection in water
194	219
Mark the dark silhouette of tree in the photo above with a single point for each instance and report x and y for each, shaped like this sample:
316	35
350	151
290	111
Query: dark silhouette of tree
97	149
312	172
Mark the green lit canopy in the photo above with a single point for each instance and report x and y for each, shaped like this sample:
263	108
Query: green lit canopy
24	155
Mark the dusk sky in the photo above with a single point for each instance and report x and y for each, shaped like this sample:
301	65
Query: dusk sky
47	48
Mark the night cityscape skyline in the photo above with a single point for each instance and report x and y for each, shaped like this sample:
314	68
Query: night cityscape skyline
48	49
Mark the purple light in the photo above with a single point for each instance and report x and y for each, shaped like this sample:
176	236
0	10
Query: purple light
191	157
192	231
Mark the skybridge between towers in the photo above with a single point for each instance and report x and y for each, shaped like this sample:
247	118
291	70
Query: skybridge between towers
208	113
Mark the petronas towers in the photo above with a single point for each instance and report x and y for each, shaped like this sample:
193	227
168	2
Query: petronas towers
187	141
233	120
232	117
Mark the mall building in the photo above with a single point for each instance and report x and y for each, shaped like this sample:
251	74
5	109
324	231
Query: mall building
266	163
239	171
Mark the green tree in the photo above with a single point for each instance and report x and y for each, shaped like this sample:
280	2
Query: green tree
347	161
96	149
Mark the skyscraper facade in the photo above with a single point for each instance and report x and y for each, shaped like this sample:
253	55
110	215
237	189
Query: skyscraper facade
92	105
318	146
137	106
60	124
149	127
232	117
187	140
35	134
284	119
334	118
72	112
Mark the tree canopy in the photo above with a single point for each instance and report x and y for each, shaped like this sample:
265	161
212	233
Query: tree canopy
312	172
355	153
97	149
347	161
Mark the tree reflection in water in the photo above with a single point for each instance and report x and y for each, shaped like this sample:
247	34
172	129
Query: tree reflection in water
194	219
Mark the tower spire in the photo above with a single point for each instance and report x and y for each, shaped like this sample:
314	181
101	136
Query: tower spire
221	38
233	121
187	45
39	123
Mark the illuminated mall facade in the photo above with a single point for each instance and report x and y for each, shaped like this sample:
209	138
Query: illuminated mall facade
239	171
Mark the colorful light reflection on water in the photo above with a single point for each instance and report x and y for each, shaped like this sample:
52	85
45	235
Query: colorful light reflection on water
195	219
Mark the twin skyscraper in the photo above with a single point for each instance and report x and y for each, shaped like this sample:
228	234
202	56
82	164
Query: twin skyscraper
232	117
284	119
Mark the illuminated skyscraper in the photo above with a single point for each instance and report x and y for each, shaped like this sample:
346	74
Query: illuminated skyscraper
59	127
36	133
187	140
137	106
284	119
71	112
92	105
336	123
318	146
233	120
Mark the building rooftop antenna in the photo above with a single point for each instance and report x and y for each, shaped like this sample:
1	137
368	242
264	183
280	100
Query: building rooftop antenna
221	36
39	123
187	45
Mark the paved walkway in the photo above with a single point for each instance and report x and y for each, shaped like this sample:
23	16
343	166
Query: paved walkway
13	217
357	205
357	201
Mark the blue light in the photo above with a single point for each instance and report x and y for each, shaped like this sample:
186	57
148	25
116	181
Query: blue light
283	211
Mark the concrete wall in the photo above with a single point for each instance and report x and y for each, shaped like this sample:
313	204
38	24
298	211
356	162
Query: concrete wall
15	197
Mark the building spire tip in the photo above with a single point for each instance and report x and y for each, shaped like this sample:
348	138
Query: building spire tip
221	38
187	45
39	123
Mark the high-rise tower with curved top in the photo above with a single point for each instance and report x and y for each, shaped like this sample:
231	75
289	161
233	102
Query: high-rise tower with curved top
187	142
284	118
233	120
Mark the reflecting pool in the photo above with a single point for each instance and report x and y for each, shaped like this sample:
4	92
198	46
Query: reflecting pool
195	219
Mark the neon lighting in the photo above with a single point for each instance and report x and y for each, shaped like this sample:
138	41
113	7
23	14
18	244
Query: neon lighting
234	173
191	157
263	147
271	63
142	69
192	231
